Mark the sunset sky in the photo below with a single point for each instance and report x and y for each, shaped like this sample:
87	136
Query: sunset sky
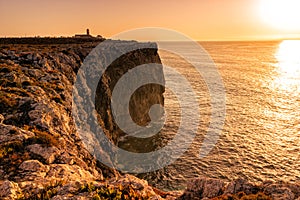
198	19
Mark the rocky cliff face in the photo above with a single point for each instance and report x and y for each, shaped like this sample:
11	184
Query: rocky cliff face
206	188
40	148
141	100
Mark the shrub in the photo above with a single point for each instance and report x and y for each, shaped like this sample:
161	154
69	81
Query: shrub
46	193
109	192
41	137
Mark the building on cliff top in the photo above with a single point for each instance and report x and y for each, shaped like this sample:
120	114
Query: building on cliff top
87	35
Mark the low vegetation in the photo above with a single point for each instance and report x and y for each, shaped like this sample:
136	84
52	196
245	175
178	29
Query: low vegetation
46	193
110	192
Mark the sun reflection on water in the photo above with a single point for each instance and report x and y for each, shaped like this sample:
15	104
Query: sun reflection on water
288	57
281	108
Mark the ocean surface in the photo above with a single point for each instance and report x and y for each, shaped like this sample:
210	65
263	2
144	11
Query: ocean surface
260	139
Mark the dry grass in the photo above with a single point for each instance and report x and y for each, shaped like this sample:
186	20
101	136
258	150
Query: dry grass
41	137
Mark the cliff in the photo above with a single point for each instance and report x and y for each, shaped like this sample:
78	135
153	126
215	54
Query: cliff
41	152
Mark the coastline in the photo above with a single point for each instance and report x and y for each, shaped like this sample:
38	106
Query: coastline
40	151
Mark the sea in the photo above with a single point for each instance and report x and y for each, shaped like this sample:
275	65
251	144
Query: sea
260	136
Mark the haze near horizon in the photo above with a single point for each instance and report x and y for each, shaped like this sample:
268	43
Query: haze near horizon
200	20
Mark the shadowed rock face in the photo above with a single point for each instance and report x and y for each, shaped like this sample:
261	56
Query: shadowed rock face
141	100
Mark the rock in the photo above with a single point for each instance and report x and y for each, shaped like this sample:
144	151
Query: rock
241	185
65	158
1	119
2	174
279	192
71	197
126	180
36	57
140	101
29	56
11	54
2	55
9	190
35	72
203	188
45	64
32	165
69	173
10	133
141	187
69	188
47	153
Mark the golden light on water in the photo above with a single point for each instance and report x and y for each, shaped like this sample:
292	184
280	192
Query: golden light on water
283	114
288	68
288	56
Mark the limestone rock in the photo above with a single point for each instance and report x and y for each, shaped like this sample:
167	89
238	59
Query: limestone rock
2	55
47	153
69	172
1	119
10	133
69	188
282	191
36	124
9	190
141	187
241	185
203	188
32	165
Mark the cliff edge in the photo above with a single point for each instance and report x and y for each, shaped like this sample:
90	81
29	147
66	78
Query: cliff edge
41	153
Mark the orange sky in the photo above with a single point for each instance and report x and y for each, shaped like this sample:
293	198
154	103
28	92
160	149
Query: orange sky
199	19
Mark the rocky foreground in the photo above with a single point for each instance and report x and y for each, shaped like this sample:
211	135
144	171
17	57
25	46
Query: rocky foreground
41	153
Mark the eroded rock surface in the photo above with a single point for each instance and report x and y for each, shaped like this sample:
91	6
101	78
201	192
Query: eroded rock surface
206	188
41	152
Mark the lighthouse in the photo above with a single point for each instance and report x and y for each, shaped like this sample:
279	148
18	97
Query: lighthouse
87	35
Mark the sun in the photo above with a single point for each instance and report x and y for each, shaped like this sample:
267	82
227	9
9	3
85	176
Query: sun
281	14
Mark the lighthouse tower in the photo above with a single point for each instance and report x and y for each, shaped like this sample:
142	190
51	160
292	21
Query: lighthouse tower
87	31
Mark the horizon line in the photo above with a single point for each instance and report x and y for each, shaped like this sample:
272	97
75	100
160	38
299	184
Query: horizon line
198	40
